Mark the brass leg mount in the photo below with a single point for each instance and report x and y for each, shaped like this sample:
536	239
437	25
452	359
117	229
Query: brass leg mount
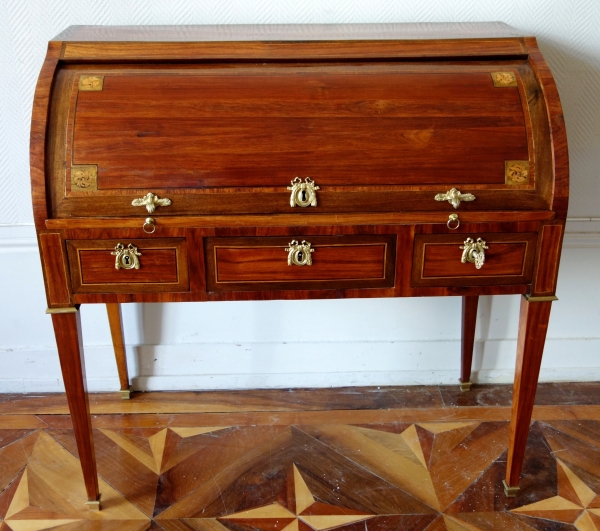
465	386
510	492
125	393
94	505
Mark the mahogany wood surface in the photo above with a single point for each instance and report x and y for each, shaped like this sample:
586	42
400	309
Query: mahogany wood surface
115	322
262	263
547	267
469	321
67	330
533	324
220	119
253	127
508	260
163	266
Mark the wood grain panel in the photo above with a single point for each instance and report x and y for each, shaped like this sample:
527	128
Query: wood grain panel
163	266
437	260
264	126
39	130
261	263
273	51
54	267
546	271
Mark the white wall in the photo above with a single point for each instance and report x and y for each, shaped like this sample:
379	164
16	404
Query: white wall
299	343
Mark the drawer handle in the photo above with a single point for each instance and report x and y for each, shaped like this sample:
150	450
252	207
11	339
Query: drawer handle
149	226
299	253
453	222
474	252
454	197
126	257
303	193
151	201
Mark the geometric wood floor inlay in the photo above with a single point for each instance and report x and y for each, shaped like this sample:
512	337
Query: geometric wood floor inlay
250	471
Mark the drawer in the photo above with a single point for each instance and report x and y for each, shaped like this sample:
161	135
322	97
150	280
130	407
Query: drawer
272	263
437	260
128	266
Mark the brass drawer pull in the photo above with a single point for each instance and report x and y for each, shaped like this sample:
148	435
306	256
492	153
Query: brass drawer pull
474	252
299	253
149	226
453	222
126	257
303	193
454	197
151	201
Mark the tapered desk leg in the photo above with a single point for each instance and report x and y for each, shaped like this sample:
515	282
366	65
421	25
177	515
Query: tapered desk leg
469	320
67	329
533	324
116	331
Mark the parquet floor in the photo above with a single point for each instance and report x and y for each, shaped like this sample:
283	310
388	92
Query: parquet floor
359	459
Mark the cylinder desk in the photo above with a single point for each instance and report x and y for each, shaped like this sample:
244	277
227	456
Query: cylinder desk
211	163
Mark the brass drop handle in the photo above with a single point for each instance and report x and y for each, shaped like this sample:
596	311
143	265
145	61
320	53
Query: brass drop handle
149	226
453	222
126	257
299	253
474	252
151	201
303	193
454	197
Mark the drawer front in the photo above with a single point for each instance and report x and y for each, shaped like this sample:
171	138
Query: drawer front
128	266
336	262
438	260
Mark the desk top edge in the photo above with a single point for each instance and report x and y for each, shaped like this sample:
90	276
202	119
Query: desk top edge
290	32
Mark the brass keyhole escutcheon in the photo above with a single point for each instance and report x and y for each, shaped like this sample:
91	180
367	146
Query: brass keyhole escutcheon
299	253
474	252
303	194
126	257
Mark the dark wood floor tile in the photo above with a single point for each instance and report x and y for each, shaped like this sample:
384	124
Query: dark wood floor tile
335	474
538	481
548	394
404	522
13	458
543	524
586	430
130	476
492	521
437	525
207	497
7	494
174	525
387	455
9	436
214	453
479	395
453	471
21	422
573	451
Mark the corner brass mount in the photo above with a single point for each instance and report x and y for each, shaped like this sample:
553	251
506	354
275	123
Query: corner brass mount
510	492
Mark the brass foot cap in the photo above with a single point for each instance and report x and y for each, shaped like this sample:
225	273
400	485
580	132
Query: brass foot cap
465	386
509	492
94	505
125	393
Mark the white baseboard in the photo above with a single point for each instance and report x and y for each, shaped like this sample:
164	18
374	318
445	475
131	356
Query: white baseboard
272	365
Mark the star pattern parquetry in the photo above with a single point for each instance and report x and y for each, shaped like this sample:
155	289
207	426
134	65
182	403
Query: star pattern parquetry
303	512
575	504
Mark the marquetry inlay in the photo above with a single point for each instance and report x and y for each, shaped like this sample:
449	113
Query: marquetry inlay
516	171
504	79
89	83
84	178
